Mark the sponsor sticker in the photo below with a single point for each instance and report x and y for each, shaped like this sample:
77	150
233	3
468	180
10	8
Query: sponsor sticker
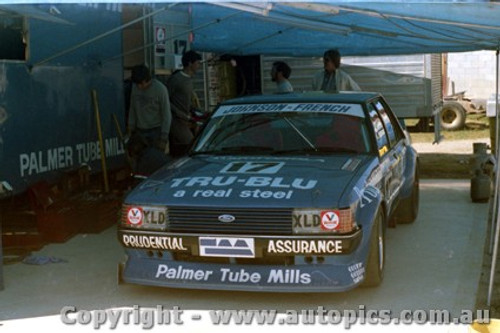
304	246
330	220
148	217
154	242
357	272
135	215
338	108
227	247
253	167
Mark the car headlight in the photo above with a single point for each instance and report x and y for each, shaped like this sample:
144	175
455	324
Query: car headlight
321	221
145	217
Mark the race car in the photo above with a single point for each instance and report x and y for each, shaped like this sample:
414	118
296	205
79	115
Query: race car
287	193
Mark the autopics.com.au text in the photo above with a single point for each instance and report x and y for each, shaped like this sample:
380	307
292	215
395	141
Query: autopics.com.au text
148	318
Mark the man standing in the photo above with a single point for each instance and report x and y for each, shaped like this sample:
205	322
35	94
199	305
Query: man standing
332	79
149	114
180	86
280	72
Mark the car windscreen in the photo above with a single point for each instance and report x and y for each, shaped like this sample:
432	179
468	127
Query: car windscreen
285	132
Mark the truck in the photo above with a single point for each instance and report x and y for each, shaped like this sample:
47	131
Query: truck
412	84
48	72
59	63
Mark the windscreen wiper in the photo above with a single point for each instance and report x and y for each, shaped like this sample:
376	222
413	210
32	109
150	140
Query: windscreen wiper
305	138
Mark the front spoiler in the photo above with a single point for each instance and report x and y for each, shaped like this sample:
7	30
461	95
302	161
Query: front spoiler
308	272
335	274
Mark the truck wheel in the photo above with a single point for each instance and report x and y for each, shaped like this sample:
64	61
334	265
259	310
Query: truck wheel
407	210
452	116
375	265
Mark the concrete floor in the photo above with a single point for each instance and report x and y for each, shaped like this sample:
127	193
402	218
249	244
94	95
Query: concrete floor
434	263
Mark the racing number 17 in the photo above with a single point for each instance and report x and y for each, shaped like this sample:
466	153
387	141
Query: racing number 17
253	167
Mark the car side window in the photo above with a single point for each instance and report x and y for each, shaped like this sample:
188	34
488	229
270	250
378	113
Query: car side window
397	124
387	123
378	128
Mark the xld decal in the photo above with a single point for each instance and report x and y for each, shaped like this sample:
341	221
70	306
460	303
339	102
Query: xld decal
155	217
148	217
306	220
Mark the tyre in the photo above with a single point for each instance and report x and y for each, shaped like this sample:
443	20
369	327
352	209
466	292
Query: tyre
375	265
407	210
452	116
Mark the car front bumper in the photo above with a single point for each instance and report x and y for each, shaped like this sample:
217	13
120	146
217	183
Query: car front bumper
175	261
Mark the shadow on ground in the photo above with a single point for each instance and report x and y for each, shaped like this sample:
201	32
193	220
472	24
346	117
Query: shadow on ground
444	166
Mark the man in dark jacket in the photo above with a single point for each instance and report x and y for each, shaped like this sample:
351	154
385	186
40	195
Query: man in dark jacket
149	114
180	87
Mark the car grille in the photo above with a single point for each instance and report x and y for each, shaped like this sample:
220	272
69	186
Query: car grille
247	221
274	261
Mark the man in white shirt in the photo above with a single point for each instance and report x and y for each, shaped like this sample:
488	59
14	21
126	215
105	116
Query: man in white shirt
332	79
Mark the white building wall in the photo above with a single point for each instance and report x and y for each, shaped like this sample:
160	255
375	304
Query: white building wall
473	72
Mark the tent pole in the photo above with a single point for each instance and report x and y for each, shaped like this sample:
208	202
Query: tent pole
495	200
495	216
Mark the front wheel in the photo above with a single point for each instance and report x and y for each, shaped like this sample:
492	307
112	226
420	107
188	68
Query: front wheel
376	258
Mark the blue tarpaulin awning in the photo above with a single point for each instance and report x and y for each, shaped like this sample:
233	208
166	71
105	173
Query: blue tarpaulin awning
353	27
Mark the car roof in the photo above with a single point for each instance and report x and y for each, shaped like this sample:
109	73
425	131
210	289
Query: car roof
307	97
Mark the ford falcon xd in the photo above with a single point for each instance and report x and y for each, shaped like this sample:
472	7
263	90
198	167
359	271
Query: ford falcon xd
289	193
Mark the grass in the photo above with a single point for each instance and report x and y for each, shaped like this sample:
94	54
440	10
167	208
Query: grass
451	135
444	166
476	127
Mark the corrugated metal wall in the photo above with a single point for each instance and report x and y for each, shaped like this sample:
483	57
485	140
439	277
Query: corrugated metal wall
437	80
411	84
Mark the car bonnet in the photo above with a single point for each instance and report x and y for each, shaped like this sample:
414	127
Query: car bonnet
251	181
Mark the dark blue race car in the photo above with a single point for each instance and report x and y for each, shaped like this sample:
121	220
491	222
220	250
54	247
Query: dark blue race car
278	193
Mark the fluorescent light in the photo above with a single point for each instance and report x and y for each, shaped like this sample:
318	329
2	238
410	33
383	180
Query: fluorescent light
259	8
312	6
